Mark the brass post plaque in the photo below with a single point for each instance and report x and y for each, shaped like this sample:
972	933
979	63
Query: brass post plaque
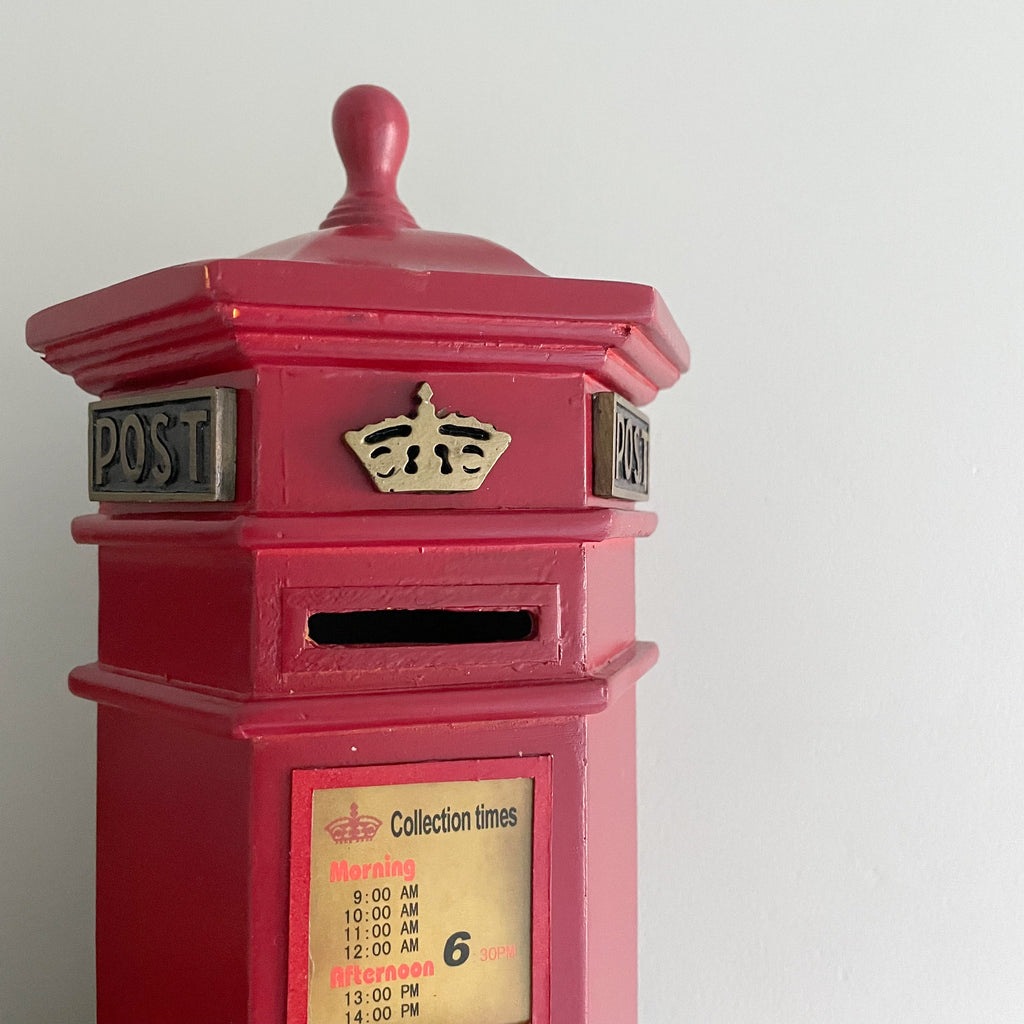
622	448
165	446
419	898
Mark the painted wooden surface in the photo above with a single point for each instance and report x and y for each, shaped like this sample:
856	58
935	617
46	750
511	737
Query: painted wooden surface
211	692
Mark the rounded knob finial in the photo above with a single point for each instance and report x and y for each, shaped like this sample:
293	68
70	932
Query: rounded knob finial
371	130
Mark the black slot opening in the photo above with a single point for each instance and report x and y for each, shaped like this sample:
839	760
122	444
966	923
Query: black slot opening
419	626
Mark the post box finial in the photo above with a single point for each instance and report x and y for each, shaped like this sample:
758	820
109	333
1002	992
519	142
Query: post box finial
371	130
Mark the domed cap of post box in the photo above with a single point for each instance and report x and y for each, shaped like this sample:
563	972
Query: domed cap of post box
369	284
370	226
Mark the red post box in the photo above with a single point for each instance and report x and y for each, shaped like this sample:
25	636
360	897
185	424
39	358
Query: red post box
366	631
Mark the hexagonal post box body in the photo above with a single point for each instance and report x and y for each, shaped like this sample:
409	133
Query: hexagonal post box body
366	633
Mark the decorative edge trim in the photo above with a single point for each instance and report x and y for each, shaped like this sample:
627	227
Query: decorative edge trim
253	719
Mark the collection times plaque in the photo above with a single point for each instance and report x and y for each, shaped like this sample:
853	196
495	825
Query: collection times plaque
419	892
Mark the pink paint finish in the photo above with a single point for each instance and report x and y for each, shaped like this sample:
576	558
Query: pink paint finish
212	692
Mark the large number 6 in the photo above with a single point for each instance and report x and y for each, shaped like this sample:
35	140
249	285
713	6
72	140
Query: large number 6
455	949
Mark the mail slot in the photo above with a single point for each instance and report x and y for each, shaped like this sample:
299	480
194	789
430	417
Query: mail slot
420	626
368	501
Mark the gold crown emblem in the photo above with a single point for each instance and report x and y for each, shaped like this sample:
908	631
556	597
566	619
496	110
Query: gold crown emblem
427	452
355	828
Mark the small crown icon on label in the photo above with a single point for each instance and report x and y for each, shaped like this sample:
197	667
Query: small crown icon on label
427	452
355	828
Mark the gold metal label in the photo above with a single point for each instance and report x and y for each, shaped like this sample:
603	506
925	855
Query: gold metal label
164	446
622	448
420	902
427	452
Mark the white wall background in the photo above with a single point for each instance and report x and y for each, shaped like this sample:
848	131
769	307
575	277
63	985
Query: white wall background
829	196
